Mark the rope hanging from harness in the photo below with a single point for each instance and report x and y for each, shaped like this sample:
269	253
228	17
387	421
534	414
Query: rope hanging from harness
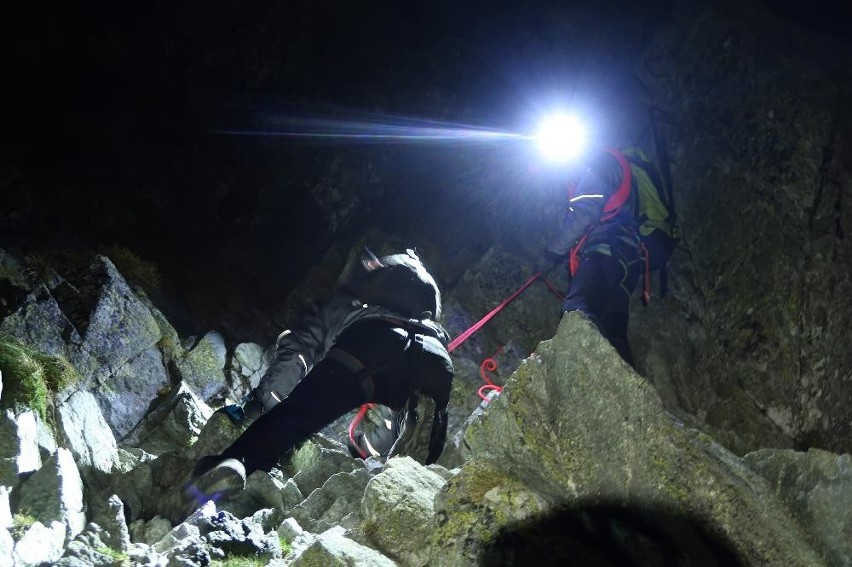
574	255
352	426
488	365
646	280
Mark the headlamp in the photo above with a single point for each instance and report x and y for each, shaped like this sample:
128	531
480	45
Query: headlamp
561	137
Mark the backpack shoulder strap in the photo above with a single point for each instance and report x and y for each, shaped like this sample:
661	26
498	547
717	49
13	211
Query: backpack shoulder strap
617	200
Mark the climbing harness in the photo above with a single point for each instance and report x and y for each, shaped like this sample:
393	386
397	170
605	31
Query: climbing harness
488	365
362	411
612	207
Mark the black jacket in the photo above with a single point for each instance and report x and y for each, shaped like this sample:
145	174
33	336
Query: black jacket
308	342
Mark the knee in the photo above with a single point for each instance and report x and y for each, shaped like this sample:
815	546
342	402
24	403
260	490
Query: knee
578	304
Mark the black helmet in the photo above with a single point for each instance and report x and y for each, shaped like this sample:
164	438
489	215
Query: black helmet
398	282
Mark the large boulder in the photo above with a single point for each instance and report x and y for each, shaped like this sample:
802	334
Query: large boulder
758	300
115	325
398	508
19	452
86	433
577	432
202	368
126	396
54	493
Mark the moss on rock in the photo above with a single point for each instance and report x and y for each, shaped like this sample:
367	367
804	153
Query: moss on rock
30	377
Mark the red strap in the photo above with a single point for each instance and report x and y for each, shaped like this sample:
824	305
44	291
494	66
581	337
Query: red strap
611	208
552	289
574	255
613	205
361	413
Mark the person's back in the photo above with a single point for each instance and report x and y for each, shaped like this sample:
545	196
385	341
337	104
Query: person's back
345	352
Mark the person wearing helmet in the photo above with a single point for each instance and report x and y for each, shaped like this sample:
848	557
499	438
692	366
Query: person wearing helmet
375	340
599	236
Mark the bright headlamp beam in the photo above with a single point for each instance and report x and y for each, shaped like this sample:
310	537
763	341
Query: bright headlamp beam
376	130
561	137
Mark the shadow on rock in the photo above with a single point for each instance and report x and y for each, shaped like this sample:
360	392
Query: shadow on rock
609	535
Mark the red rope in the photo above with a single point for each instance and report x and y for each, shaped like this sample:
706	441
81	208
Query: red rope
361	413
574	255
488	365
478	325
559	295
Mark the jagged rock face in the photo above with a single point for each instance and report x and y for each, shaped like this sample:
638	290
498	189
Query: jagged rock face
759	294
86	432
58	477
20	454
814	486
578	451
750	341
575	440
103	328
577	434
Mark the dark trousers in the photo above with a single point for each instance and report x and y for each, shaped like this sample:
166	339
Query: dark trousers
601	290
330	390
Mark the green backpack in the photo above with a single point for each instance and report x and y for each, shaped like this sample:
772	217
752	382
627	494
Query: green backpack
655	214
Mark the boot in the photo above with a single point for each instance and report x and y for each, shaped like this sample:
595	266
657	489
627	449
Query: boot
220	482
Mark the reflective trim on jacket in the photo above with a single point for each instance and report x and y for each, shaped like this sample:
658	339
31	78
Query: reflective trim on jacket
599	183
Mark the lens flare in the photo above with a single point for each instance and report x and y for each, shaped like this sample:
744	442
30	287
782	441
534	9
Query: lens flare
561	137
376	129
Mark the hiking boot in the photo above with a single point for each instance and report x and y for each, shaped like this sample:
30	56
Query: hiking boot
220	482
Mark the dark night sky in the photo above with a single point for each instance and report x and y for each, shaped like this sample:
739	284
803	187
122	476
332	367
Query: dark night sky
93	87
110	106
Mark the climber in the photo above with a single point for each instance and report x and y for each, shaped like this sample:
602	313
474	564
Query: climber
375	340
599	236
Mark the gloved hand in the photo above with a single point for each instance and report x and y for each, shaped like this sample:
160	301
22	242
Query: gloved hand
245	412
235	413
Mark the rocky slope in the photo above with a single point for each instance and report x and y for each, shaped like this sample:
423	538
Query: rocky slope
731	444
577	458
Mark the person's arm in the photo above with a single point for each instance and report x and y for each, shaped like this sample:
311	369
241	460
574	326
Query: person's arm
585	208
437	436
436	381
